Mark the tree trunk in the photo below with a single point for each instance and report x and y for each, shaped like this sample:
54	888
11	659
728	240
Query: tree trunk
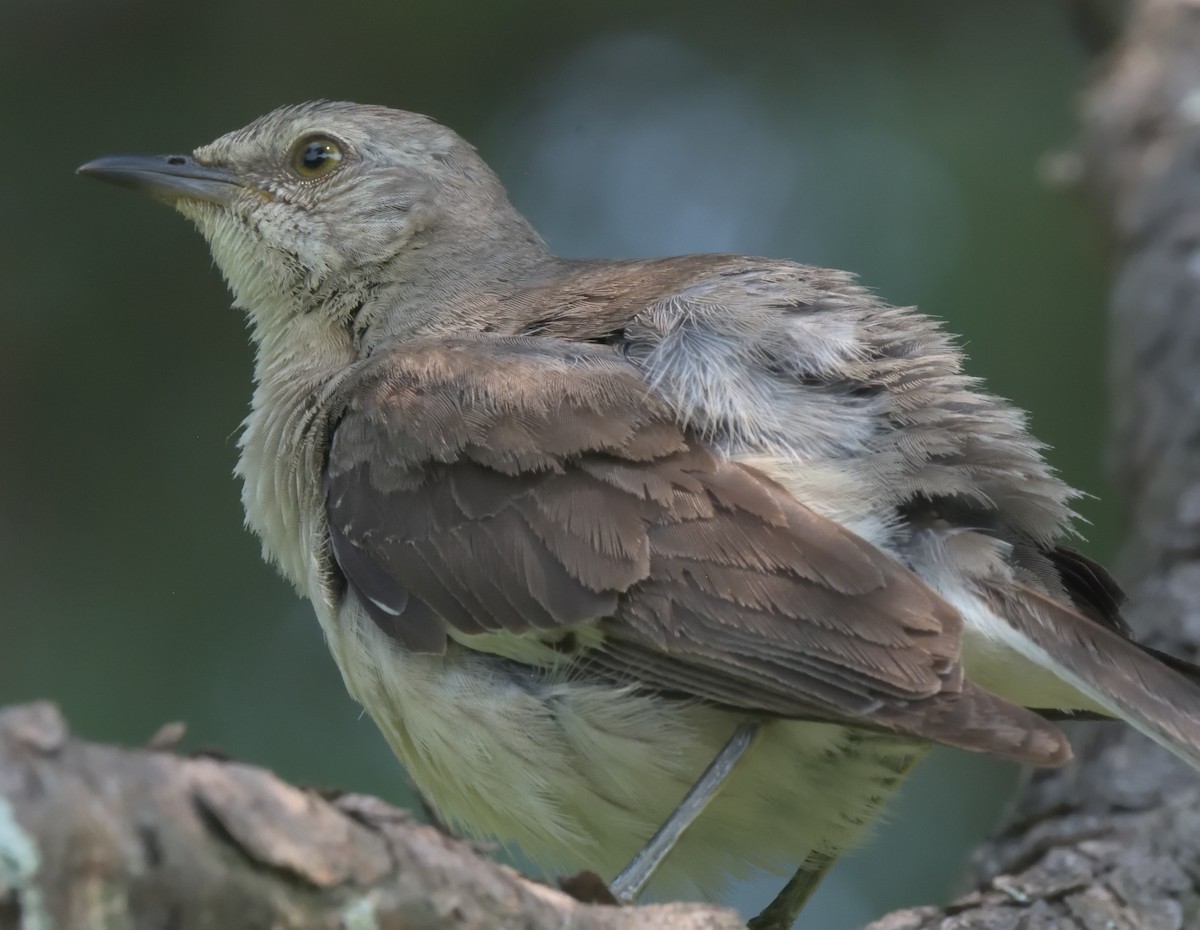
1113	842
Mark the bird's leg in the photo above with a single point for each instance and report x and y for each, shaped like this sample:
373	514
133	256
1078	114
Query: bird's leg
633	879
782	912
786	906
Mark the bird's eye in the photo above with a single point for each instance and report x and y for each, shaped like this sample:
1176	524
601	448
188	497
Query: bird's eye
316	156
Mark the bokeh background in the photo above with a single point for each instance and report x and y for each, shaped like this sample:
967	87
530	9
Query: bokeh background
904	141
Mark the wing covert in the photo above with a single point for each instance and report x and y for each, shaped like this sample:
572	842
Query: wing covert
528	487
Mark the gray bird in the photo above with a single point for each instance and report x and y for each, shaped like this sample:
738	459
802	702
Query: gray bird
588	537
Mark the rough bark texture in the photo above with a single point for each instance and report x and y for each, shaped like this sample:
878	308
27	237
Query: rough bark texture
103	838
1113	843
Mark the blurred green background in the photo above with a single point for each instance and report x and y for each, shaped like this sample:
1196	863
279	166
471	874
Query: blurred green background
899	140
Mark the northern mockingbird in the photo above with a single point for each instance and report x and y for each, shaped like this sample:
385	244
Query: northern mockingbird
576	529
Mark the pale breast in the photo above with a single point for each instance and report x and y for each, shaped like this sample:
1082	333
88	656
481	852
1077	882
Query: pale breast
283	445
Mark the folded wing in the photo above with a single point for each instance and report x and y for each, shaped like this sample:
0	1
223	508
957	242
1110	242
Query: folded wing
508	490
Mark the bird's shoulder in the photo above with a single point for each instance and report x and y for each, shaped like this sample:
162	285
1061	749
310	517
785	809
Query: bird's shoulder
802	365
597	300
762	351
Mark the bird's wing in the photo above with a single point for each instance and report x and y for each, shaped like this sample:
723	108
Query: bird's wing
804	372
509	489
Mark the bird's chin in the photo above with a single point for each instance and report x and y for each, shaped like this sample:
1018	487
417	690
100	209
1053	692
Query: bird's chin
237	252
202	215
201	212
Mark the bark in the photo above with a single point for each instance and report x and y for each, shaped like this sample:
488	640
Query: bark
1113	842
103	838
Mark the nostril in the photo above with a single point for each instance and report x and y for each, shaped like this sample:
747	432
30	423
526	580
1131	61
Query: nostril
176	160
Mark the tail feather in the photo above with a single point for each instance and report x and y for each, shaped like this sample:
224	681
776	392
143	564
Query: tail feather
1157	694
1189	670
979	721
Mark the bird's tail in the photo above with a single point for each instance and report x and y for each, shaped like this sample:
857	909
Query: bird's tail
1157	694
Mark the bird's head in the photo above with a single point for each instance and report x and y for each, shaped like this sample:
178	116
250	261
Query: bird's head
322	205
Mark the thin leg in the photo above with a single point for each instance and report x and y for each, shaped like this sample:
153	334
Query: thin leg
634	877
782	912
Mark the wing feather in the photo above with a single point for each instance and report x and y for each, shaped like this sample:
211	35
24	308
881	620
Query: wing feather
526	486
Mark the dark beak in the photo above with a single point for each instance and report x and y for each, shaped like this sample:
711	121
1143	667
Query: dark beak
166	177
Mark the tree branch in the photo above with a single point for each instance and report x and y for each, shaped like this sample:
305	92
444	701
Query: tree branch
98	837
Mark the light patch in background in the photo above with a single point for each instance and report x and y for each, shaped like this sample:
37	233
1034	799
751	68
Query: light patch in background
638	146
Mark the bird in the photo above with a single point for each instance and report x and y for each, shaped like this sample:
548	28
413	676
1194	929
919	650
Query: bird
669	569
